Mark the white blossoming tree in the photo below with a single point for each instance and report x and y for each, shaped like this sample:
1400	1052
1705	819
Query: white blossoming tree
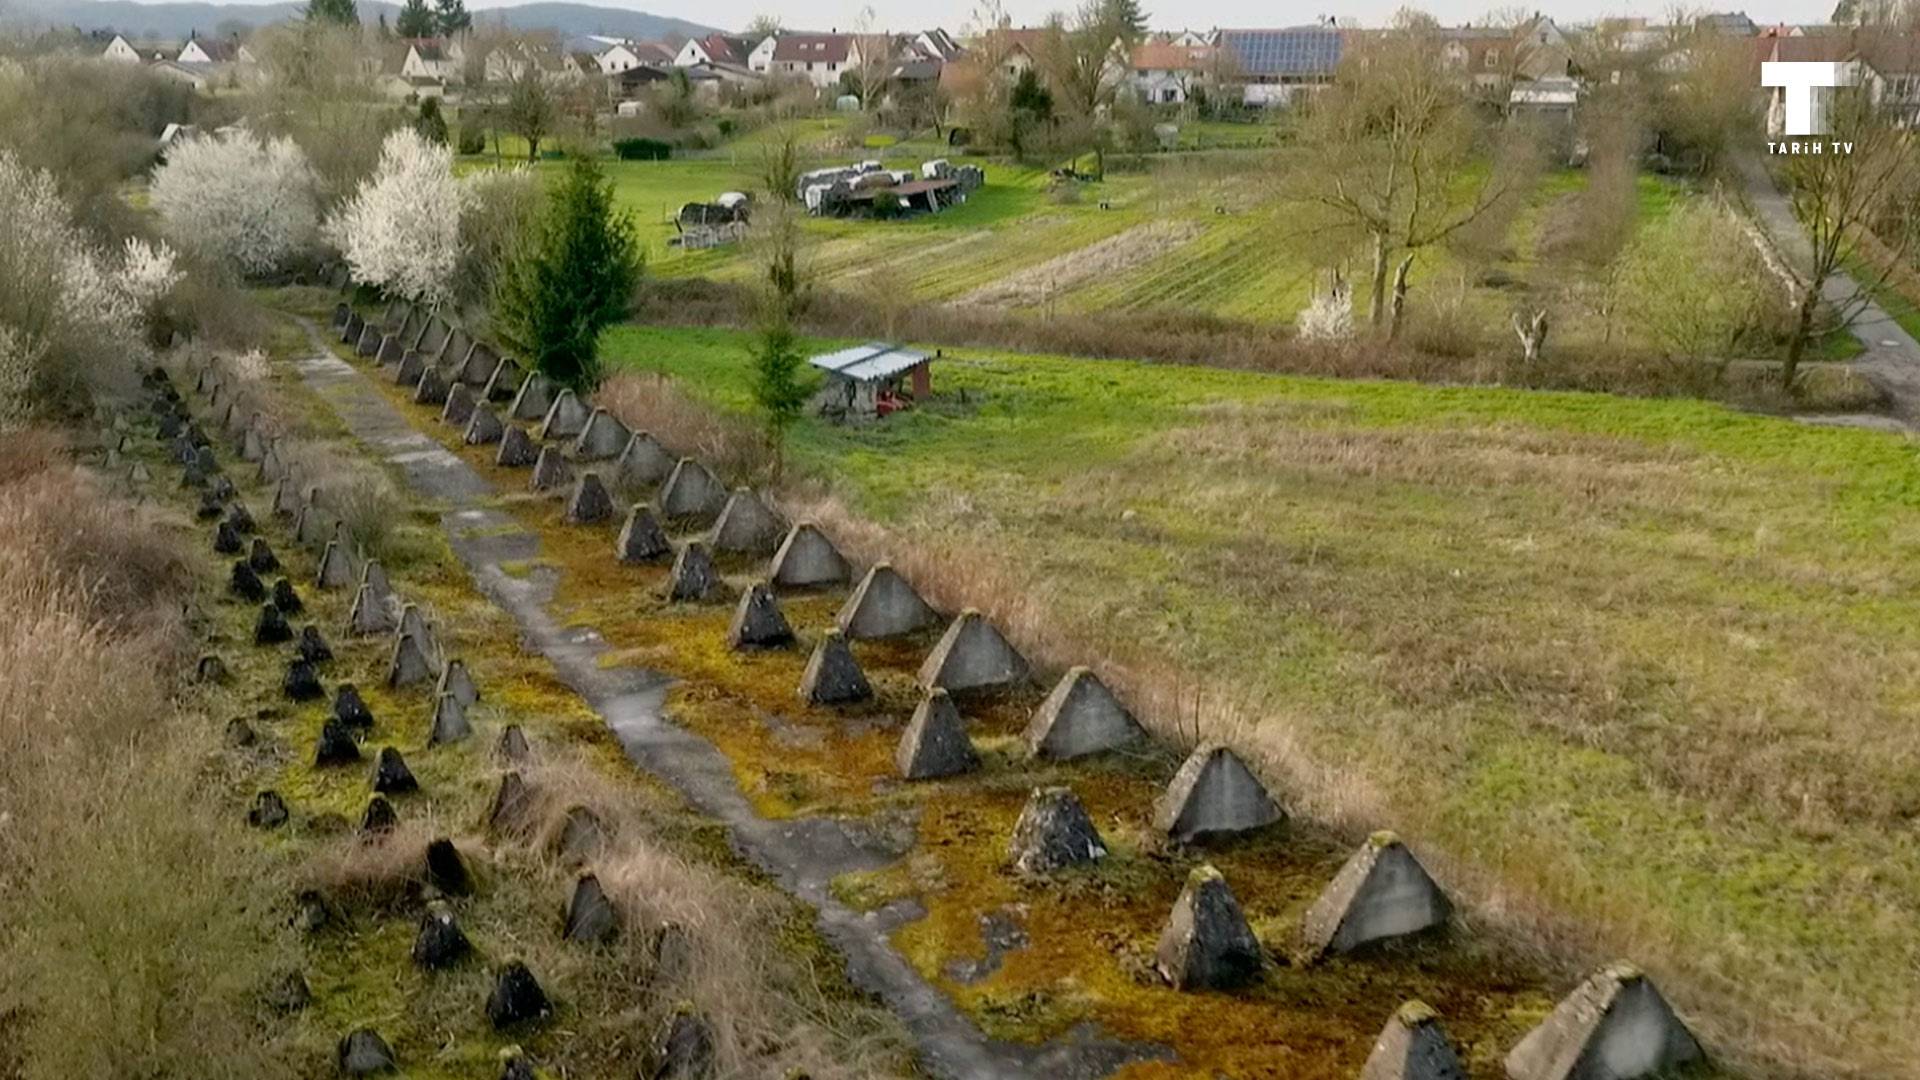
241	201
69	314
401	230
1329	316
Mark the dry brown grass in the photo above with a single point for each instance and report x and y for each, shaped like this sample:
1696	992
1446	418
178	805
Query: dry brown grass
133	930
730	446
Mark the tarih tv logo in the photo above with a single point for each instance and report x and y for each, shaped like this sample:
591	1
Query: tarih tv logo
1804	93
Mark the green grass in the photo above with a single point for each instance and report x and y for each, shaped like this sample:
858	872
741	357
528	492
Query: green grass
1651	664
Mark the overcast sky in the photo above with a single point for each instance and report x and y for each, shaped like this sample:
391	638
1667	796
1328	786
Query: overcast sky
1198	14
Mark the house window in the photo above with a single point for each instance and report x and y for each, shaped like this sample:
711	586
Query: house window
809	65
1493	59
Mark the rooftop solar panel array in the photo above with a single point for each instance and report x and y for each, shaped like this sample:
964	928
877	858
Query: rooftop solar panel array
1306	50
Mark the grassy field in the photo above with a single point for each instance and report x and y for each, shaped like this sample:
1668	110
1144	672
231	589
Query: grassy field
1640	674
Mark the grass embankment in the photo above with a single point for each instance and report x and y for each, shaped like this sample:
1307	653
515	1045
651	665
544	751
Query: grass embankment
745	957
1643	670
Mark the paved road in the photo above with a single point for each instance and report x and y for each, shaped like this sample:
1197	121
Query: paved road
1892	359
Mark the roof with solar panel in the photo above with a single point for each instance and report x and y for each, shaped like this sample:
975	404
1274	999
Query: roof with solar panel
1299	50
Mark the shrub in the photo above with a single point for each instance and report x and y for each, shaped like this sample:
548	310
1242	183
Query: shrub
1329	317
1694	286
70	320
472	140
638	149
135	925
401	230
245	203
431	124
503	205
573	280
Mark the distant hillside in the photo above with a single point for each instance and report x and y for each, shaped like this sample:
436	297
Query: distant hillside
176	20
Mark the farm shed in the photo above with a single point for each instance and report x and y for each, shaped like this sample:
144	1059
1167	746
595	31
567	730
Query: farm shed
865	381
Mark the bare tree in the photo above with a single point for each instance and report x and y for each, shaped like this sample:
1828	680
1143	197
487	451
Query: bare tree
1382	158
1077	59
1863	199
876	53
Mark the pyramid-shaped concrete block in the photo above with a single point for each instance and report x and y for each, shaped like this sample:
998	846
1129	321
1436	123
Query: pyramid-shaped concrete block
449	721
551	471
693	578
806	559
1615	1026
413	623
504	384
883	605
1214	794
415	322
456	682
433	387
533	399
517	450
642	540
691	493
973	656
484	427
1080	717
1207	944
935	743
478	366
644	463
391	350
1381	892
589	503
349	333
591	917
746	525
410	666
336	569
459	406
434	338
370	616
566	418
1413	1046
455	353
408	371
374	577
369	343
758	623
1053	833
603	437
833	676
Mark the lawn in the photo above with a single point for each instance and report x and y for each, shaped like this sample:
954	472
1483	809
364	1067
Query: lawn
1648	667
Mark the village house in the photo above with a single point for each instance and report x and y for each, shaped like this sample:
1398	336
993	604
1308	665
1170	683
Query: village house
818	58
1277	66
1164	73
432	59
620	55
124	51
200	50
715	49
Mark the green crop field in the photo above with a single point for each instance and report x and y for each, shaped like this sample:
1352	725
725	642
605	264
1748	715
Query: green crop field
1650	664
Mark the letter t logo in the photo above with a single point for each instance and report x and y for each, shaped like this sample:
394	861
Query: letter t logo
1800	79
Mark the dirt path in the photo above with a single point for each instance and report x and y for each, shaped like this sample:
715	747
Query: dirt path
1063	273
802	855
1892	359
